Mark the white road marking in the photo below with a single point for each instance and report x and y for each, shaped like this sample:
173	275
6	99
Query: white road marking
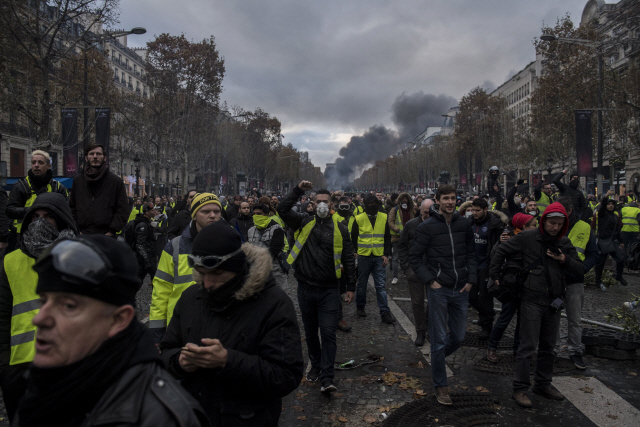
598	404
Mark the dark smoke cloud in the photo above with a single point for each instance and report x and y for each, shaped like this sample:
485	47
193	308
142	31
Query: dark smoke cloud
411	113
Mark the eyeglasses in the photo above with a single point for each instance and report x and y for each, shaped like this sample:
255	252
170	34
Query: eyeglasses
343	207
77	260
210	261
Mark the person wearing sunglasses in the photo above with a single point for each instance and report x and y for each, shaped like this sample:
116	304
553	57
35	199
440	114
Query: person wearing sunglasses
48	220
174	274
234	340
94	363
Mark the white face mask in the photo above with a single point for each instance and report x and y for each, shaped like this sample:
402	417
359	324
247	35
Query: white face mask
154	224
468	214
522	205
404	206
533	213
322	210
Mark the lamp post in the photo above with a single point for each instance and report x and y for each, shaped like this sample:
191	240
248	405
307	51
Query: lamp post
177	186
136	162
598	49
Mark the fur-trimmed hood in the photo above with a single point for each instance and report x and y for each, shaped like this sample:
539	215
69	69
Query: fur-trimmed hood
260	264
411	203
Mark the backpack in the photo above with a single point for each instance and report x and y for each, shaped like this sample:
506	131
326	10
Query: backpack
633	257
128	234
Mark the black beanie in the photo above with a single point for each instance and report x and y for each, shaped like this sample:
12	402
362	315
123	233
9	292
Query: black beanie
119	286
220	239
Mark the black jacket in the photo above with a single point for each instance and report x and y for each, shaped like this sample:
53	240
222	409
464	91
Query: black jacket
21	192
260	332
242	223
448	250
99	205
315	265
145	243
407	238
577	198
180	222
5	222
497	222
591	252
232	210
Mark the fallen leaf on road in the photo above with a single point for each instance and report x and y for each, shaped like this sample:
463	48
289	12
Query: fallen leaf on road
298	408
633	374
332	417
389	378
302	418
613	417
464	387
482	389
384	409
343	420
587	389
338	394
580	377
369	419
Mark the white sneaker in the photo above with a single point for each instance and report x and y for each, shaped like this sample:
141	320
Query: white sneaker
603	288
394	281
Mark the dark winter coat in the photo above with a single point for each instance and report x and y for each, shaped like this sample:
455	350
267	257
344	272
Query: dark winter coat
497	222
145	244
391	216
577	198
232	210
260	332
180	222
444	252
21	192
5	222
99	205
315	265
407	238
242	223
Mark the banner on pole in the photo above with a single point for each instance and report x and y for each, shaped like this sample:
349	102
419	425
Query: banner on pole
70	141
462	170
584	149
103	122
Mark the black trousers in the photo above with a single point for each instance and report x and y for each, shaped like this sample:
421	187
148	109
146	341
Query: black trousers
482	301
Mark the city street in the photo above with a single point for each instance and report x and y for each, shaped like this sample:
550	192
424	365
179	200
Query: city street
396	373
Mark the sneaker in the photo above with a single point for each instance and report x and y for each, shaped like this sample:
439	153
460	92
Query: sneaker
442	396
388	319
577	361
313	374
522	399
622	281
420	339
343	326
603	288
361	312
328	388
394	281
492	356
550	392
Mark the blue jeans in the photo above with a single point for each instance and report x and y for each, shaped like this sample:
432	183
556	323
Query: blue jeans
319	308
371	265
509	309
447	307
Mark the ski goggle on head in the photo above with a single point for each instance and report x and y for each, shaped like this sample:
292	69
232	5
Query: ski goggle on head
210	261
77	260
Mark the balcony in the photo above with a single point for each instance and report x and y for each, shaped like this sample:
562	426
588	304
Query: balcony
130	86
116	79
137	90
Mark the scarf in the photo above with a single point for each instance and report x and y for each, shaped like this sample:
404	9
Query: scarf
219	299
406	215
261	221
65	395
40	235
96	174
38	182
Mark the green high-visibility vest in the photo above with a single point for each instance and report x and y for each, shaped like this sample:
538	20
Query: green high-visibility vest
341	219
543	202
26	304
399	222
579	236
629	219
303	235
371	239
18	222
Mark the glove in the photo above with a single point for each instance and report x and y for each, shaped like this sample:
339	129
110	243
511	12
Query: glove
520	182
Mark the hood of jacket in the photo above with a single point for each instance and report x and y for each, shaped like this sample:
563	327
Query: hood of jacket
555	207
58	206
498	218
463	207
411	203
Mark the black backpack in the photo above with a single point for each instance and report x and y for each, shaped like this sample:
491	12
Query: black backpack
128	234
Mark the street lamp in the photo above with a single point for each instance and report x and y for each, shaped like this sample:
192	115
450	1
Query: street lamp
598	48
136	162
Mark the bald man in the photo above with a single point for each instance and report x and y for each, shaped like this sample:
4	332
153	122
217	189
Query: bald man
416	287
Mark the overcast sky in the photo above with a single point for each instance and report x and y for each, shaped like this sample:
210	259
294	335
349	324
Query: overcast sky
331	69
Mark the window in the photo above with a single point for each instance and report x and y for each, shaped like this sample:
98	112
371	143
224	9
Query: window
135	68
131	169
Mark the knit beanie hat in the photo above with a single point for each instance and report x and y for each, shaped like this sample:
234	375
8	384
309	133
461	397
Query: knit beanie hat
520	220
220	239
201	199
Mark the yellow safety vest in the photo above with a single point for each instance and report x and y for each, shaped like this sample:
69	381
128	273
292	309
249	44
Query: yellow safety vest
22	281
135	211
370	239
172	277
341	219
629	219
18	222
399	222
357	210
579	236
303	235
543	202
598	218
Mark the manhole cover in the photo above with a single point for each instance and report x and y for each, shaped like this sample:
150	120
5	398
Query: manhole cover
507	363
468	409
472	339
377	368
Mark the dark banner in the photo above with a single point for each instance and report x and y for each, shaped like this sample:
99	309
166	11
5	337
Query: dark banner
103	126
479	178
70	141
584	150
462	170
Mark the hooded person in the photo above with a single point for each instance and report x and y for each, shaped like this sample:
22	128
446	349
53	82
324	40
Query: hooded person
573	191
607	224
399	215
46	221
238	372
267	233
548	255
94	363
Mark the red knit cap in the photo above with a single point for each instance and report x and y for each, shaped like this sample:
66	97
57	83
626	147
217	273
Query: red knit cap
520	220
555	208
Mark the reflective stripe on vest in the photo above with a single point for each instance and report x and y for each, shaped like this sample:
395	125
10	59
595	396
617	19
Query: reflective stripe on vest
543	202
303	235
629	219
26	304
371	238
579	237
280	222
399	222
18	222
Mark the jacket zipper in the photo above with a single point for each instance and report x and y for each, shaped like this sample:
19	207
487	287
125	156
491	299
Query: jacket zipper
453	252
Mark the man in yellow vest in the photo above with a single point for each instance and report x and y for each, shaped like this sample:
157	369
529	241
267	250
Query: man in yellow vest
322	254
542	194
48	220
584	241
174	274
398	216
371	238
39	180
630	214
